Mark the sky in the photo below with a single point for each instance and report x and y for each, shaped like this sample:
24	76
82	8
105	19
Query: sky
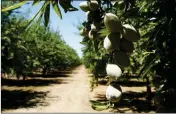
66	25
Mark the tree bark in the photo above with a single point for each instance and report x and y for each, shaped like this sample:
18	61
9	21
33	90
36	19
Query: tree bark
44	70
149	92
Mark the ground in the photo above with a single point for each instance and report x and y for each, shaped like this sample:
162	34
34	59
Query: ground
67	92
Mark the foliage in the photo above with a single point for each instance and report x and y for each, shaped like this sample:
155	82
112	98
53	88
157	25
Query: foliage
44	11
153	57
155	52
35	49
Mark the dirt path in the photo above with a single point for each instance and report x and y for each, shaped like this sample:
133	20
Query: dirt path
72	96
69	93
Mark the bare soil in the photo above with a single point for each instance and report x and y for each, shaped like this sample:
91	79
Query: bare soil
71	95
63	93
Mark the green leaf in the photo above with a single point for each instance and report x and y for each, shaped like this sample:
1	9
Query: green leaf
22	47
96	45
99	105
41	10
15	6
41	13
52	53
56	8
151	61
35	2
103	32
46	60
73	9
40	17
35	63
47	15
67	6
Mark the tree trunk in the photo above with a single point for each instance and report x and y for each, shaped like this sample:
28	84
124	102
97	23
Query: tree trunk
96	78
44	71
149	92
18	76
24	77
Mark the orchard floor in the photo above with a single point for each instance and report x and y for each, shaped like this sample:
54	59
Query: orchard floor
67	92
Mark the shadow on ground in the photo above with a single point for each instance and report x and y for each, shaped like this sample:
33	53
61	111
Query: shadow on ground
130	101
102	82
63	72
31	82
50	75
100	97
13	99
125	83
134	101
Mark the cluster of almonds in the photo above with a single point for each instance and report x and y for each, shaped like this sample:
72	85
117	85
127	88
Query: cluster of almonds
94	18
119	43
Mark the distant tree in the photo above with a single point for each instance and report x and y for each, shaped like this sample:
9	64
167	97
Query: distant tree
37	48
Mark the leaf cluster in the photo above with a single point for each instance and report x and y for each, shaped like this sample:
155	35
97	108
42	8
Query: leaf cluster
37	48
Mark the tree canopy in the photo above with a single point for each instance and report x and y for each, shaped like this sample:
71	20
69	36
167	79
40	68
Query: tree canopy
38	48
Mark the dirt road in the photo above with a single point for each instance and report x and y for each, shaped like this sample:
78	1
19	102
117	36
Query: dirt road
72	96
69	93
